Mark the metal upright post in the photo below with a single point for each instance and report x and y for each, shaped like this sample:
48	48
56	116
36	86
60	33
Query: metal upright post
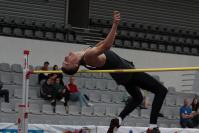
23	108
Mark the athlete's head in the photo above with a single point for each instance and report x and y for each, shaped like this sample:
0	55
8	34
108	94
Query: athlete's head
71	63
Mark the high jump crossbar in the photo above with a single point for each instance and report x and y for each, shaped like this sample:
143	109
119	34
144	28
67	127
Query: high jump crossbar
196	68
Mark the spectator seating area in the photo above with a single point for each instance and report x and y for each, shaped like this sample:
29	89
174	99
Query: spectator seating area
45	30
163	26
108	99
174	14
142	33
39	10
130	35
150	37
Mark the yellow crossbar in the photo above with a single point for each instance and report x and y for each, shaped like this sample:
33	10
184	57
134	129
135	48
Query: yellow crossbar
126	70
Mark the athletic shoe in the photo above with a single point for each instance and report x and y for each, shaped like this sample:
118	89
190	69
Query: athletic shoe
114	125
62	100
53	103
89	104
154	130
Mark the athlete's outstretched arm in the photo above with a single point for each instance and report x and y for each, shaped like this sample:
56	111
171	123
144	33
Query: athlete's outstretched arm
109	40
107	43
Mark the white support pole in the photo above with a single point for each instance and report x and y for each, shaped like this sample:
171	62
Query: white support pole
23	108
27	76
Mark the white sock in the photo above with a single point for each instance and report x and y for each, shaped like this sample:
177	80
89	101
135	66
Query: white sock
153	126
120	120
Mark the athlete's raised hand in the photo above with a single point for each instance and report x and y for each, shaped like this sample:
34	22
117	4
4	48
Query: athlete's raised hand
116	17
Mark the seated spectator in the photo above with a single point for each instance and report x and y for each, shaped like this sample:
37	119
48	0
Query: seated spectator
46	90
60	93
42	76
195	105
75	94
186	115
59	75
195	112
4	93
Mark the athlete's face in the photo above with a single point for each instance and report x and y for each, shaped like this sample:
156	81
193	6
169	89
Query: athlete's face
71	61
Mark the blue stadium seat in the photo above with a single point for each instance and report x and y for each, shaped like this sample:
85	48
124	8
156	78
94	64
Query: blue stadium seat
47	109
196	42
101	84
70	37
18	32
157	37
161	47
16	68
59	36
124	33
29	22
39	34
79	39
28	33
141	35
61	110
153	46
111	110
118	43
105	22
186	50
173	39
34	109
189	41
178	49
74	110
171	90
7	31
105	31
19	21
150	36
106	98
94	97
49	25
6	107
6	77
99	110
59	26
171	100
9	20
145	113
127	43
136	44
132	34
170	48
49	35
145	45
87	111
39	25
194	50
18	78
67	27
5	67
135	113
